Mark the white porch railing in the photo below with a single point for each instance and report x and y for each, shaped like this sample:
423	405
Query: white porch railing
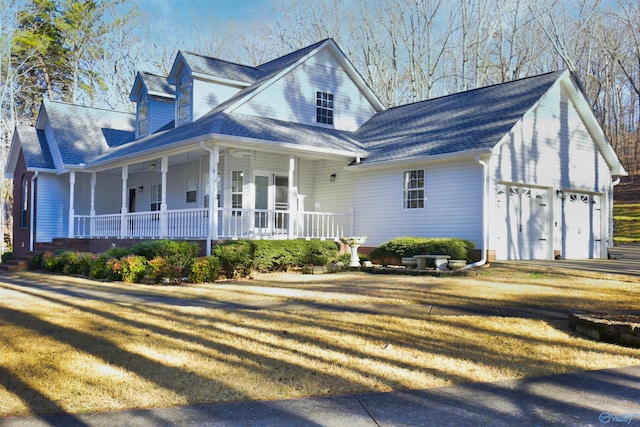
232	224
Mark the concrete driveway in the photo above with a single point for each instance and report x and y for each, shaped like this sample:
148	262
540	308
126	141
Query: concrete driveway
626	261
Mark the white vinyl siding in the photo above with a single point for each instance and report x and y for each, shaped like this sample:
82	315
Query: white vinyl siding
293	97
208	95
453	200
52	207
552	147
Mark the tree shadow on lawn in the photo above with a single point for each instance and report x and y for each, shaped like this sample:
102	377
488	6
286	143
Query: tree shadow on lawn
265	358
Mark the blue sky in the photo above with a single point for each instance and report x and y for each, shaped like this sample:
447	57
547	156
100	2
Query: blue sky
217	9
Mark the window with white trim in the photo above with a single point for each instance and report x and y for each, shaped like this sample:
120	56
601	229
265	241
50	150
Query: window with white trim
413	189
156	196
143	116
184	100
192	190
237	185
324	108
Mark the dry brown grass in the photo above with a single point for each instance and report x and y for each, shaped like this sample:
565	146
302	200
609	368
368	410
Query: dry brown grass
60	352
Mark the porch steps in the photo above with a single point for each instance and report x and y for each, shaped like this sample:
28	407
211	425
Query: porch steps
19	263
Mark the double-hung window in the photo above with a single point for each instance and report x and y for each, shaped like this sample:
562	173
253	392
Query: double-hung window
237	184
324	108
156	197
414	189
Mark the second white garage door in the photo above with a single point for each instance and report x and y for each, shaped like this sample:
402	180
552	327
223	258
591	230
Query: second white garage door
581	226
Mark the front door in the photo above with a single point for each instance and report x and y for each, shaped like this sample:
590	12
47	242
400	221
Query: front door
271	202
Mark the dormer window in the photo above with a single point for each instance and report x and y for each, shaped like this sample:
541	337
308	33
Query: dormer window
143	116
324	108
184	100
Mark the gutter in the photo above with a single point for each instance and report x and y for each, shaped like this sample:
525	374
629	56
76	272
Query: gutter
485	219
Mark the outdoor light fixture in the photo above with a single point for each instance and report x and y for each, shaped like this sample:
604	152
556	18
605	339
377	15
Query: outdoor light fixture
332	177
559	194
141	189
152	166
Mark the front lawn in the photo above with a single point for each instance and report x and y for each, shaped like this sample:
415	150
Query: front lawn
61	352
626	219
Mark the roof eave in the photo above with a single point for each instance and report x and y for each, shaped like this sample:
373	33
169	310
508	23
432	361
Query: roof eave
432	158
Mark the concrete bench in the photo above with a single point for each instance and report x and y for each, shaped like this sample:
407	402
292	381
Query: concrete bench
439	261
410	263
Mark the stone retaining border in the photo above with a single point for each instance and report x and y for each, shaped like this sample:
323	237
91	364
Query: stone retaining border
599	327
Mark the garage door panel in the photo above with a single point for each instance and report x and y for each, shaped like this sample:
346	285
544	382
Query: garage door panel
524	234
581	219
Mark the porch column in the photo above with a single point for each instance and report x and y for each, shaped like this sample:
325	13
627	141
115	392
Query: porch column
92	212
164	223
72	191
214	158
292	198
123	209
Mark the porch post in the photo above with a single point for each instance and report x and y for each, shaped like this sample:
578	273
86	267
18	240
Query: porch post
291	197
214	158
72	191
164	223
123	209
92	212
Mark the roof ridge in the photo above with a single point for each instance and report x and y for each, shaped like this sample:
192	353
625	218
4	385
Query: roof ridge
218	59
153	74
297	51
476	89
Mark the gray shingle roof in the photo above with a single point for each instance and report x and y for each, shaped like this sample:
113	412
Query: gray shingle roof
84	132
158	84
34	147
472	120
220	68
246	126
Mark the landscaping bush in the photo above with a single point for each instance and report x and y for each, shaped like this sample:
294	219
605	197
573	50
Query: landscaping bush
133	268
6	257
236	258
77	262
404	247
53	261
204	269
178	254
99	268
283	255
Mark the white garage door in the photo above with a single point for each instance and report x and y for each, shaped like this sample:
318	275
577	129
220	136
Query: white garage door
524	232
581	226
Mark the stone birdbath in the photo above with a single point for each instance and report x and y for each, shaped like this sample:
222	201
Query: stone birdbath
354	243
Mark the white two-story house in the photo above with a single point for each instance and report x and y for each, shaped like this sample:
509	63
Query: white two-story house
300	147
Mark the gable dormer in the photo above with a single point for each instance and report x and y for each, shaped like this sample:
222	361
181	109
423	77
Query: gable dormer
155	99
203	83
315	86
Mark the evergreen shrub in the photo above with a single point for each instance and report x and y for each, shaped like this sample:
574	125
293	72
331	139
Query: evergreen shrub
404	247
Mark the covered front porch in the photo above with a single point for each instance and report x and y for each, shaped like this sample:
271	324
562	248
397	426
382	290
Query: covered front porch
230	224
256	194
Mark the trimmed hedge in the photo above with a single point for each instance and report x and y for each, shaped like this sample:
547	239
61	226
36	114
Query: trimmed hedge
240	258
405	247
283	255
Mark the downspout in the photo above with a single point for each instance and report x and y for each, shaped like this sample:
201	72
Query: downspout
32	213
485	219
610	242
